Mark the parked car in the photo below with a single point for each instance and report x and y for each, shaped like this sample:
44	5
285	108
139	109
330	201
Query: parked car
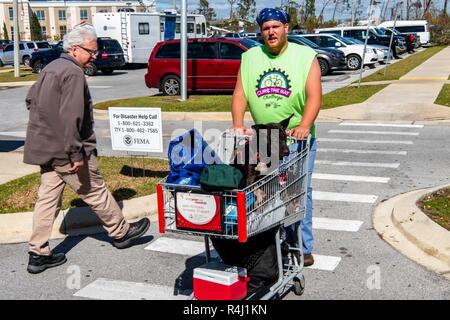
329	59
4	43
374	36
420	27
353	52
410	38
382	51
212	64
110	57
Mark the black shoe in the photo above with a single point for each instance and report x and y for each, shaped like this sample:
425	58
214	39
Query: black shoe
38	263
136	230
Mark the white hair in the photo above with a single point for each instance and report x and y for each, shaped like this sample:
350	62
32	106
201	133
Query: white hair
78	36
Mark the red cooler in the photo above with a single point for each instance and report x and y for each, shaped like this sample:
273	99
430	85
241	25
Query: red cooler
217	281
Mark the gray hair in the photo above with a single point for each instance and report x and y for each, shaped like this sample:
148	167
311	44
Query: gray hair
78	35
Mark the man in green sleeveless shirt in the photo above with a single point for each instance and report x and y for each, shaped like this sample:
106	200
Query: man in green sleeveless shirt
277	80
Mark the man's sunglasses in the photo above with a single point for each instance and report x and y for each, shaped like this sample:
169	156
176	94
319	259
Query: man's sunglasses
91	52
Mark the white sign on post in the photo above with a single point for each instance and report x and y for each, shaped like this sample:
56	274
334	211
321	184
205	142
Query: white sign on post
136	129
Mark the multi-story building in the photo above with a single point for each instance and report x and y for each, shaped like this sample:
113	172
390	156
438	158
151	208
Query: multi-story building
56	17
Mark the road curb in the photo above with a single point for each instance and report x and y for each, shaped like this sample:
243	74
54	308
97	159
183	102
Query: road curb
17	227
17	84
405	227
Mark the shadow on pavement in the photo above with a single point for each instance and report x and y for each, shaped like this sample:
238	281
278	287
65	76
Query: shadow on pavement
183	283
72	241
10	145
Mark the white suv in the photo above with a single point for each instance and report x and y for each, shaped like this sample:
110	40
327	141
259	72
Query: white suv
353	52
26	48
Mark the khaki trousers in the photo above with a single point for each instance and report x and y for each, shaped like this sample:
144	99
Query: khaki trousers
90	186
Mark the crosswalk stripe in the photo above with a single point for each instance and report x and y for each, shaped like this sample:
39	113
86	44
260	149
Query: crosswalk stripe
364	141
381	125
397	153
177	246
344	197
397	133
358	164
106	289
325	263
336	224
341	177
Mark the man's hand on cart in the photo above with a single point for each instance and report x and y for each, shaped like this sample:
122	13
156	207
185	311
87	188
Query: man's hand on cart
238	131
300	132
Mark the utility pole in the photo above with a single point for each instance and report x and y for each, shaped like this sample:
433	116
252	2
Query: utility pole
16	38
183	60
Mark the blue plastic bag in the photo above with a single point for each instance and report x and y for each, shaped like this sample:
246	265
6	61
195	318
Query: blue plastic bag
188	154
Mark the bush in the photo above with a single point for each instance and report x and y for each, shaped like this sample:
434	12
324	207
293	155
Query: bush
440	30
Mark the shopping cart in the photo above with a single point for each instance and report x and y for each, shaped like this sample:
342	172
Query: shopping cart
238	215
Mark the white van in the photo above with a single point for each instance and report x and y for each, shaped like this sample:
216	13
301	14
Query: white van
411	26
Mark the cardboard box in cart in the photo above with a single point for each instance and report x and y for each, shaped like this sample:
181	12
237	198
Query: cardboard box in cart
217	281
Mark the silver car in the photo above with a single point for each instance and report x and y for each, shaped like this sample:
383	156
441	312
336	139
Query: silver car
26	48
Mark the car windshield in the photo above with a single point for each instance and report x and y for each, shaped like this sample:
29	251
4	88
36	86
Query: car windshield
249	43
307	42
344	40
109	45
43	45
378	32
354	40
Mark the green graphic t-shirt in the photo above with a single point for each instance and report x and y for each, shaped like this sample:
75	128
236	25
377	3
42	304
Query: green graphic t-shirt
275	85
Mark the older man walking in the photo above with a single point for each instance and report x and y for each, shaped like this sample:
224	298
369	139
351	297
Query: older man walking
61	140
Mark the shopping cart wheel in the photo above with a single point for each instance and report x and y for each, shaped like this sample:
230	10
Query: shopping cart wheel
299	285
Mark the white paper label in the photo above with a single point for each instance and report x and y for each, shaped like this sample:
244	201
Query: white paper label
196	208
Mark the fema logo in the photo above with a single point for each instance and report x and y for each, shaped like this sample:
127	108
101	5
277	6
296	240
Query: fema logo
128	140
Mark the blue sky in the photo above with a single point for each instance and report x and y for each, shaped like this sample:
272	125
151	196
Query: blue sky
222	7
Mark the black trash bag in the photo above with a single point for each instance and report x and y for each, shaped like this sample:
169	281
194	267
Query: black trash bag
258	255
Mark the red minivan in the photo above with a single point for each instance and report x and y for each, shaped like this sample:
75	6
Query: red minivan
212	65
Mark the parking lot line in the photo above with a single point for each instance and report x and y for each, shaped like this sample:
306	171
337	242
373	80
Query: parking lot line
325	263
336	224
342	177
177	246
381	125
344	197
364	141
358	164
397	133
397	153
106	289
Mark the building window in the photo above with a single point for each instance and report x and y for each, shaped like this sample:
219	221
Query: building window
11	13
62	15
144	28
83	14
62	30
162	26
103	10
44	32
40	14
190	28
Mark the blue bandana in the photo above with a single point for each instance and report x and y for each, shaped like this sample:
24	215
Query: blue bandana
268	14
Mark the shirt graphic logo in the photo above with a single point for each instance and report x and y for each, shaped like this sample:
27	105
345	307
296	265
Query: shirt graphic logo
273	81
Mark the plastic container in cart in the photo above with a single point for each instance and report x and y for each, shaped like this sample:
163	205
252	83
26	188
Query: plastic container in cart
217	281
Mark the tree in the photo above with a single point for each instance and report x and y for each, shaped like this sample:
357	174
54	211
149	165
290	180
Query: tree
205	10
444	12
292	8
35	28
232	3
310	9
247	10
5	32
326	3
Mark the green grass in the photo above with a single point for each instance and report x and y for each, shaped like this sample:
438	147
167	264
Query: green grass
24	76
195	103
402	67
349	95
437	207
125	177
444	96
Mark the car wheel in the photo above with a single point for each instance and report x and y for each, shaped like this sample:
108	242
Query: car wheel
171	86
107	71
353	62
91	70
26	61
324	67
38	66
